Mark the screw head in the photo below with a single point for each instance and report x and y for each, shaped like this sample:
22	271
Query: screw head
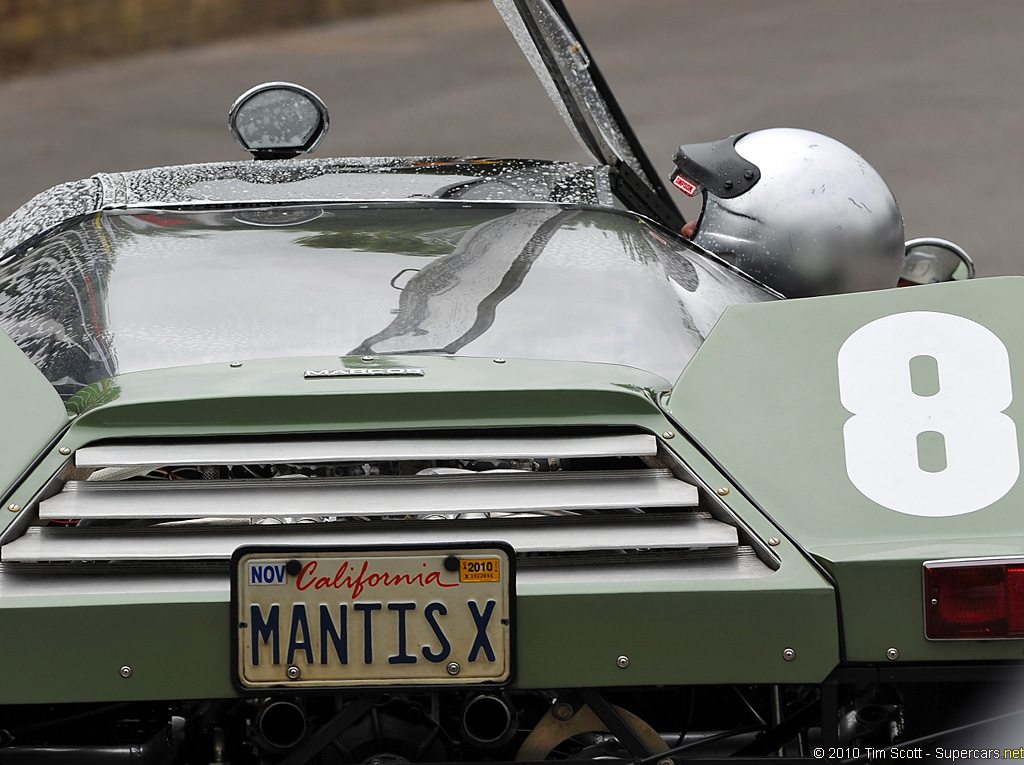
453	668
774	541
14	508
293	672
668	434
235	364
64	450
367	358
788	654
499	361
126	671
622	661
892	654
723	491
562	711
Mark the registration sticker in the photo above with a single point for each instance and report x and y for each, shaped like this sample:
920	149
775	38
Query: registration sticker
479	570
373	617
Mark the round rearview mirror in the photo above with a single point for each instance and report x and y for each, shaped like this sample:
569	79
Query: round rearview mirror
278	120
929	260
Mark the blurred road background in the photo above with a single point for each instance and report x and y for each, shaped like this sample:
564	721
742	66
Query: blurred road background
929	91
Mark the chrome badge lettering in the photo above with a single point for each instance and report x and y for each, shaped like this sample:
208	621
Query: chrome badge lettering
317	374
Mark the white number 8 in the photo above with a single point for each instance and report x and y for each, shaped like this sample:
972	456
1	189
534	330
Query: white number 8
964	414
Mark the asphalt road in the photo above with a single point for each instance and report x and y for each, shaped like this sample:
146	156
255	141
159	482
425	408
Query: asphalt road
927	90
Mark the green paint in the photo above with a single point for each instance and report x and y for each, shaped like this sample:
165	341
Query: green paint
924	375
32	415
762	396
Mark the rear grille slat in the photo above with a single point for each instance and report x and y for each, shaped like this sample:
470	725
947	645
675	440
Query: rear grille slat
693	530
366	450
371	496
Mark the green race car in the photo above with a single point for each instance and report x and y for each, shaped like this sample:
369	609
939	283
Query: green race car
463	459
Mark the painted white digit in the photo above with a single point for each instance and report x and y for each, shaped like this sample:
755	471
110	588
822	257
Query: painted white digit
882	438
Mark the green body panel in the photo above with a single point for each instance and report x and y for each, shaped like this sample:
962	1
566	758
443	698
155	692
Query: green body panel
713	630
680	633
762	396
673	633
271	396
31	412
174	643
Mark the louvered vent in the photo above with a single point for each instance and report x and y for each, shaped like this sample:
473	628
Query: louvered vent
592	499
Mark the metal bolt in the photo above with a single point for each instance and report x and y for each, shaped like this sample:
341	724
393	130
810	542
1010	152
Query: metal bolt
367	358
235	364
499	361
723	491
788	654
935	601
293	672
668	434
774	541
126	671
562	711
892	654
14	508
622	661
454	668
64	450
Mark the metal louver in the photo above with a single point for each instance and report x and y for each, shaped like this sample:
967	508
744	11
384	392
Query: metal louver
593	499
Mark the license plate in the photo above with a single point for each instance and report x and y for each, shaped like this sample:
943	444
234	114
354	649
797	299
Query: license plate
393	617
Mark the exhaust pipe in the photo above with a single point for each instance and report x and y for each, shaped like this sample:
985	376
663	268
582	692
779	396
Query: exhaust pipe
489	721
280	724
161	748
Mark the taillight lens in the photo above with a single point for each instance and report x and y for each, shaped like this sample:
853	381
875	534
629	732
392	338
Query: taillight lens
974	600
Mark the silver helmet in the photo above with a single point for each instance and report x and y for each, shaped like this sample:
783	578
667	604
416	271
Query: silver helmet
796	210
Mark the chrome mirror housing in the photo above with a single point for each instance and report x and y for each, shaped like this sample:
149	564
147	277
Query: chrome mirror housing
278	120
929	260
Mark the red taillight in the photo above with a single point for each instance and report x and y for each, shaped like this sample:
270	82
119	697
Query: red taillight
974	601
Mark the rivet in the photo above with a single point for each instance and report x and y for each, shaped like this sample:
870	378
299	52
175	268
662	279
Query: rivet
774	541
367	358
454	668
935	601
14	508
499	361
562	711
64	450
892	654
622	661
668	434
126	671
293	672
723	491
235	364
788	654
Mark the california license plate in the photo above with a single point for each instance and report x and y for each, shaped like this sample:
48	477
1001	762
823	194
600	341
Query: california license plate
409	616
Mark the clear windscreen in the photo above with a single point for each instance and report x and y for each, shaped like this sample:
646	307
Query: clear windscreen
118	292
